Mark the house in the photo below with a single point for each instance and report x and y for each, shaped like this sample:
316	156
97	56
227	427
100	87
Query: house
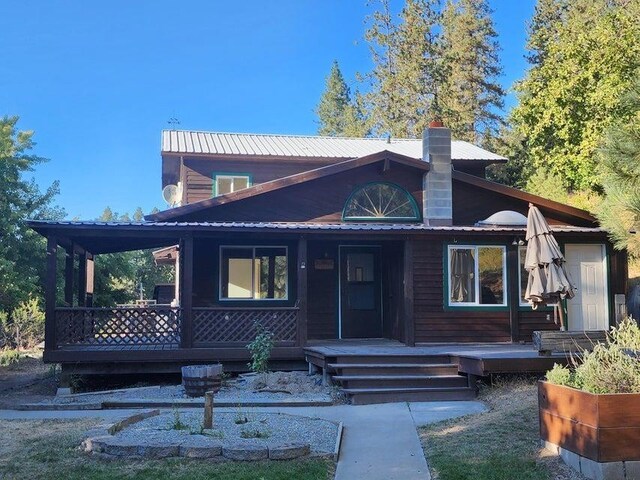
322	239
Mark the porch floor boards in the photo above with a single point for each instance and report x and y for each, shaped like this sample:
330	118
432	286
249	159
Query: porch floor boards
382	370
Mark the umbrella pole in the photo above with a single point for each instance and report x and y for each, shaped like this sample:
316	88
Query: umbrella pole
561	313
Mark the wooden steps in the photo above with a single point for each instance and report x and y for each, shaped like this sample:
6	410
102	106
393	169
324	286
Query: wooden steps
365	396
383	378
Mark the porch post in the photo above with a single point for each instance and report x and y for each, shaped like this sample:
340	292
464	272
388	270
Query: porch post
50	342
82	279
409	322
301	273
89	280
68	276
513	288
186	294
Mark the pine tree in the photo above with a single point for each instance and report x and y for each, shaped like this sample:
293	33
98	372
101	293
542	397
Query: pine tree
337	114
544	28
620	167
584	54
22	250
406	69
471	98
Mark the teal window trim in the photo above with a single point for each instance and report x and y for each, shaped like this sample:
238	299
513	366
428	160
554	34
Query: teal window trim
448	306
215	175
416	217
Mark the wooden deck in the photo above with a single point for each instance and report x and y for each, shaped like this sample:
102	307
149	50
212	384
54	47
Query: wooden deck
481	359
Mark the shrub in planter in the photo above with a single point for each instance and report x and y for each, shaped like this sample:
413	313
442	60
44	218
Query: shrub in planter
592	408
608	368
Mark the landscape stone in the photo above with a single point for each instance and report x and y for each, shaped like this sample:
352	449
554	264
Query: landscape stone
245	453
120	448
95	444
156	450
632	469
288	451
570	458
200	451
601	471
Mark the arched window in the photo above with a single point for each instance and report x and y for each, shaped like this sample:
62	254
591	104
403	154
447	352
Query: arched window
381	201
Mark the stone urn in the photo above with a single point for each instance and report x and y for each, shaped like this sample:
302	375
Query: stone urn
199	379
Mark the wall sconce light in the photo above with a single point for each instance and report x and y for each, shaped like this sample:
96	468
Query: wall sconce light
517	241
303	265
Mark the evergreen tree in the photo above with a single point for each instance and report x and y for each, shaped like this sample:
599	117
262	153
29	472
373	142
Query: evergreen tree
471	97
543	30
407	67
118	276
583	55
337	114
22	251
138	215
620	167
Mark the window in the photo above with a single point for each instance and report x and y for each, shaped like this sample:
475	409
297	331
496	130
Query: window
381	201
523	274
477	275
227	183
253	273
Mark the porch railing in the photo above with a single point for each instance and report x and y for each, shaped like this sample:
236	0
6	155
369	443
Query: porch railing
121	326
161	326
238	325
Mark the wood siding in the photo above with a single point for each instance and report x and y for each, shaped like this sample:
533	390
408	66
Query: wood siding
320	200
198	172
532	320
322	304
472	204
435	324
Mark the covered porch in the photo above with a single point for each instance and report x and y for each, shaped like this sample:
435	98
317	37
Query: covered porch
201	324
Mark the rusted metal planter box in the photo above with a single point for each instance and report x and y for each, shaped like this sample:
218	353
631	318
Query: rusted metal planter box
603	428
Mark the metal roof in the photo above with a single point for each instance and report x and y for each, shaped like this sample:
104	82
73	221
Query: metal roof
217	143
298	226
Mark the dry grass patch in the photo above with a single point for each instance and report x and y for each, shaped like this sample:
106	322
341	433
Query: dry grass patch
501	444
45	449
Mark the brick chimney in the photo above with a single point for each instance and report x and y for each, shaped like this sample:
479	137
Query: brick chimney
437	188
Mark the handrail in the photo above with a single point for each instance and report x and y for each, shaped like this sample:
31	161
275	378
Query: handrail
217	308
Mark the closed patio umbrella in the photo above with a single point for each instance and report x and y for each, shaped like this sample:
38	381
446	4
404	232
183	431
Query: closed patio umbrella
548	280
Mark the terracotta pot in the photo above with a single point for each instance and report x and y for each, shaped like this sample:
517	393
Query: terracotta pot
604	428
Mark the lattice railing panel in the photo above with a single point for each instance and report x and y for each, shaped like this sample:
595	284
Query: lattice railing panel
214	325
118	326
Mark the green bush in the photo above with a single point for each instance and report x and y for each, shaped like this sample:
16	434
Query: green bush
8	357
24	327
260	349
611	367
560	375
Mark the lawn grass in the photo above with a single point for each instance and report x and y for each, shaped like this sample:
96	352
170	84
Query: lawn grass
47	449
502	444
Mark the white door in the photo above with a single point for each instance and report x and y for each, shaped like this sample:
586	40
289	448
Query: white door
589	309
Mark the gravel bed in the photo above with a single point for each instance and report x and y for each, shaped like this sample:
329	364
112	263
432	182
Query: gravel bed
277	429
243	389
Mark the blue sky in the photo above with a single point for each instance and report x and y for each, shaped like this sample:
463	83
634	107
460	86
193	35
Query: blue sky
98	81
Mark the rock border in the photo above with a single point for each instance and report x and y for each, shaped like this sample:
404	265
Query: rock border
102	440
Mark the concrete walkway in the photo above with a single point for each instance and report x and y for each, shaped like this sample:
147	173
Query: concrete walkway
380	442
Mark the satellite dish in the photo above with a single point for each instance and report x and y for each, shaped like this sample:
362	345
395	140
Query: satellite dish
171	195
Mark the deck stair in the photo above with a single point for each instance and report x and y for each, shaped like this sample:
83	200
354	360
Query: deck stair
383	378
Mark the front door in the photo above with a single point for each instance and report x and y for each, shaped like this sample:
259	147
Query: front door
360	292
589	309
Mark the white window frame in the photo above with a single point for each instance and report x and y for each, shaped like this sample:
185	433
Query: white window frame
253	248
233	177
476	274
521	302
